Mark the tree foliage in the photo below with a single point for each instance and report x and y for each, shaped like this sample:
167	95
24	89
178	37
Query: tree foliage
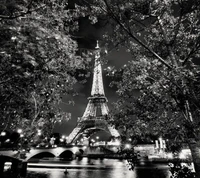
164	40
38	60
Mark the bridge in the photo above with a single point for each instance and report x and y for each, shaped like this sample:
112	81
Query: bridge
61	152
69	152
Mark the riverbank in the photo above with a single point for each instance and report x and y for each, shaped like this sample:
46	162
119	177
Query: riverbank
64	166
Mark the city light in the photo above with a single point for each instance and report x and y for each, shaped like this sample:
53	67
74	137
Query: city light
19	131
61	140
117	143
66	138
3	133
114	143
8	140
92	140
127	146
39	132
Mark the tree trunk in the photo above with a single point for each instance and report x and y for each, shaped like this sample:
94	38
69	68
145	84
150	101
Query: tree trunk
195	151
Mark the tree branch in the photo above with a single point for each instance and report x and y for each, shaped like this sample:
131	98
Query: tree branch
29	11
135	38
4	81
195	49
173	58
177	27
36	110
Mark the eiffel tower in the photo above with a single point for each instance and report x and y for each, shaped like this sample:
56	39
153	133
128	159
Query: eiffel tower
96	112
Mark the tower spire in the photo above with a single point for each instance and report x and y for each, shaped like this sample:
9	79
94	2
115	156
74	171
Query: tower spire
97	84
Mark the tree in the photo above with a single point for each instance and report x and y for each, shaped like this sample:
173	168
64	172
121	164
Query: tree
164	40
38	62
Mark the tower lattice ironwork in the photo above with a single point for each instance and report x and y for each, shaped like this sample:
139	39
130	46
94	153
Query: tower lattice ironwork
96	112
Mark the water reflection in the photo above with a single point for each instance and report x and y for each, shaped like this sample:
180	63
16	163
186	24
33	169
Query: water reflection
116	169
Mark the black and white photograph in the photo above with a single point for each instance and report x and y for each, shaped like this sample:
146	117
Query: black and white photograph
99	88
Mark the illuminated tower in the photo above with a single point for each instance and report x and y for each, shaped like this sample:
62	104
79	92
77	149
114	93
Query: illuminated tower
96	112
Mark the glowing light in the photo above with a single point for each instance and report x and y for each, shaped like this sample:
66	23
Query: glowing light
128	146
182	155
21	135
129	139
3	133
117	143
75	149
61	140
8	140
169	155
63	137
39	132
19	131
92	140
13	38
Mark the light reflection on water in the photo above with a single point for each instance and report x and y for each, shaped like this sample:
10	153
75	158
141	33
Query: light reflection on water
81	173
118	169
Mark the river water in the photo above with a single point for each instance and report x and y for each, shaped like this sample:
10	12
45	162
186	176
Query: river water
113	169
